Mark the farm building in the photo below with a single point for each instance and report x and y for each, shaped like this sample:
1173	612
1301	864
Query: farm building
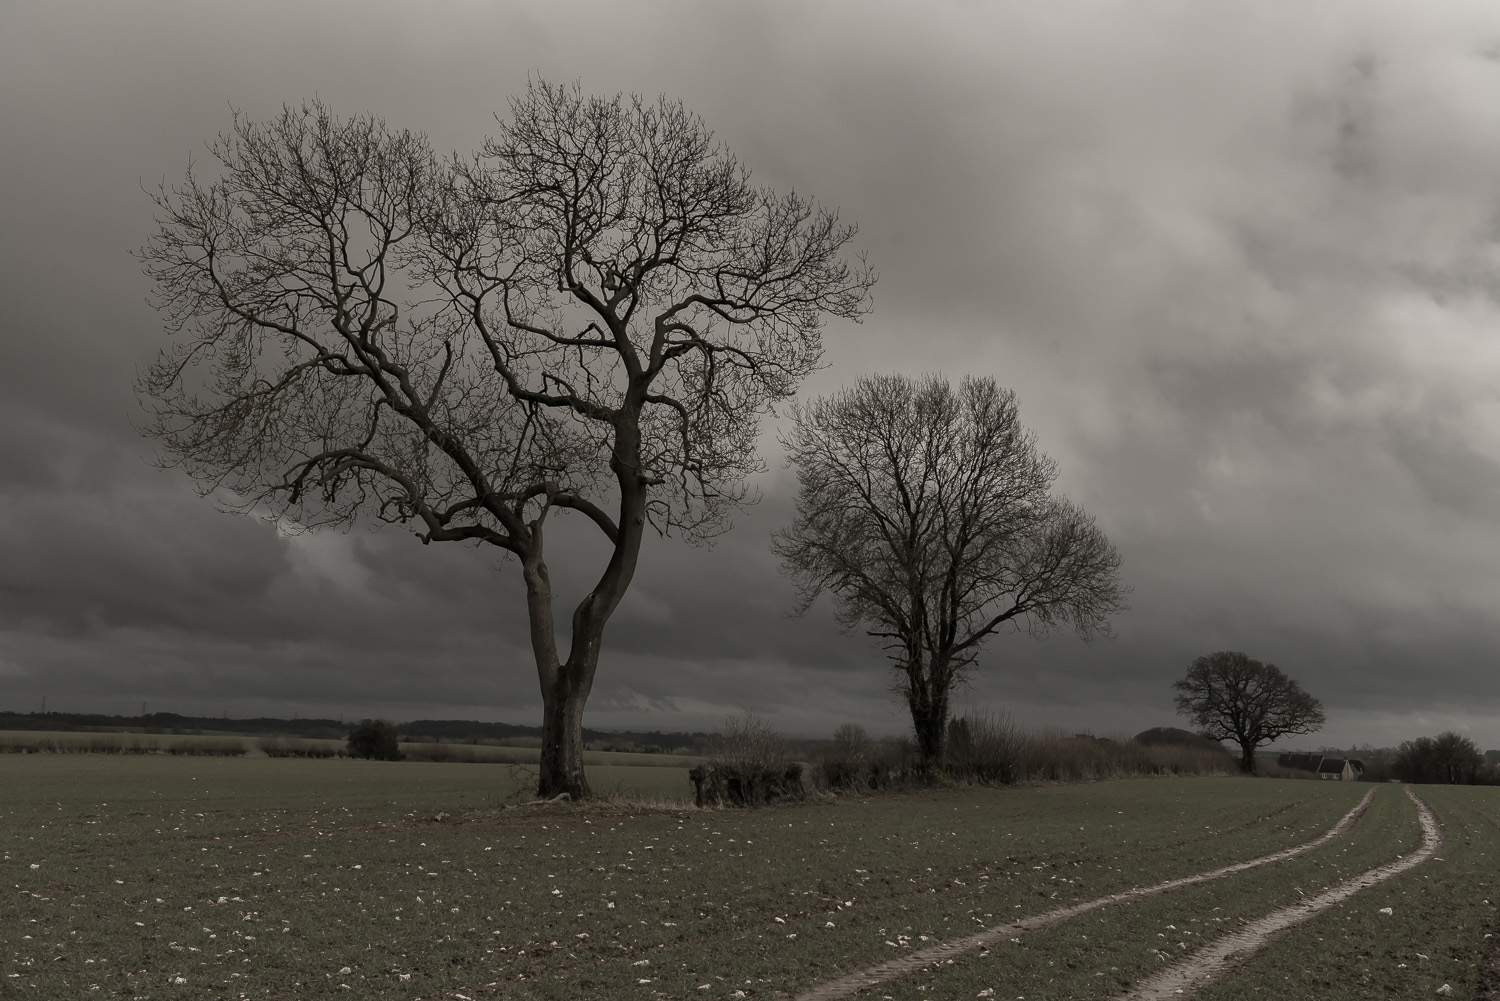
1345	769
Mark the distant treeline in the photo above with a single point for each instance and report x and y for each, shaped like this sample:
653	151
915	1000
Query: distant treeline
458	731
467	731
173	723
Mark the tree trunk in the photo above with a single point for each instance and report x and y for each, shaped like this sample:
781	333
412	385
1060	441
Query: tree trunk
566	685
1247	758
929	721
931	735
561	769
565	691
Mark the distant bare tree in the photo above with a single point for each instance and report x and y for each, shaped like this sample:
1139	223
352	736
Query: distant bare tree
1233	697
851	739
589	316
925	513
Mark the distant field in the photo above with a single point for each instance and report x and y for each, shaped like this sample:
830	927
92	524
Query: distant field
334	872
210	744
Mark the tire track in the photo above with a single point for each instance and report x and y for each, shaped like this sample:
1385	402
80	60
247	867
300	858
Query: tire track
911	962
1184	978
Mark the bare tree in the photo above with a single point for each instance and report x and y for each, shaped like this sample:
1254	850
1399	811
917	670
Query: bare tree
1233	697
925	513
588	316
851	739
1449	758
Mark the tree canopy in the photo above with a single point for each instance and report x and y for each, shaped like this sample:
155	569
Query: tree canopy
925	513
1449	758
589	315
1230	696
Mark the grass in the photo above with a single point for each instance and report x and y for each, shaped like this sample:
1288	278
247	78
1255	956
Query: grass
229	745
1441	913
67	742
1102	954
269	878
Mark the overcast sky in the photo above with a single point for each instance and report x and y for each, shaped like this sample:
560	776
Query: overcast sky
1239	261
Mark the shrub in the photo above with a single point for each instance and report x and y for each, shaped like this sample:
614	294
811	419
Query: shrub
208	747
984	747
723	784
1168	760
282	747
877	767
989	748
842	766
749	766
106	743
17	744
374	739
438	751
1449	758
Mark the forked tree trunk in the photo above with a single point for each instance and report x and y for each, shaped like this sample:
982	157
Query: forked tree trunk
565	692
566	685
561	770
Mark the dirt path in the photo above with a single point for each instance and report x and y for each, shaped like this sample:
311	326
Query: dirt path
913	961
1184	978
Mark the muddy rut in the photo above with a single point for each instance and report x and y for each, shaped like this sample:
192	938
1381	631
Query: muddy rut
922	958
1183	978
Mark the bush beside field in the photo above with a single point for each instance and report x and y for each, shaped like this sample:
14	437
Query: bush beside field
989	749
72	742
41	742
294	747
745	764
986	747
750	764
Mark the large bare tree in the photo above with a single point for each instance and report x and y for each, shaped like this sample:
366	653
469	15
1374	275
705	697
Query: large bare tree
1234	697
925	512
591	315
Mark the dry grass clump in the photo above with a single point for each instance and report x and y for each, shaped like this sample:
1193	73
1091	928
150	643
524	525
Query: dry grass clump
465	753
989	748
27	742
294	747
30	742
1168	760
855	763
749	764
216	747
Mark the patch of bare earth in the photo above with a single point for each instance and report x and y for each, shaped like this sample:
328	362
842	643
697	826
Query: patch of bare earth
934	955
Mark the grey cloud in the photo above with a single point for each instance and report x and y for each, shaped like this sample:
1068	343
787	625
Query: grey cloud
1239	263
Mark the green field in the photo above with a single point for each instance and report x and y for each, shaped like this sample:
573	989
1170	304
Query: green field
207	745
293	878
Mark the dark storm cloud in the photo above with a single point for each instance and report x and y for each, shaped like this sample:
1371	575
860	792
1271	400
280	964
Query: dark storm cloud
1238	261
